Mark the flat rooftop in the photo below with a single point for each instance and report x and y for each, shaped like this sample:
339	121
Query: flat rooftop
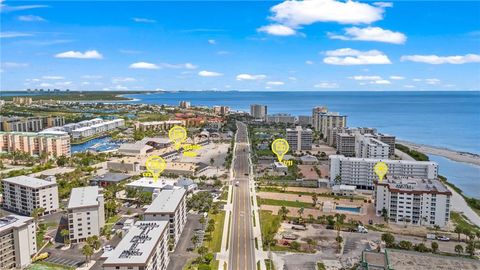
167	201
13	221
138	245
148	182
28	181
388	161
83	196
409	184
111	177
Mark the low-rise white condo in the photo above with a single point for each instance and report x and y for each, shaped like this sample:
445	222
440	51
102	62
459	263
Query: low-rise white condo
23	194
414	201
299	139
17	241
86	213
366	146
359	172
169	205
144	247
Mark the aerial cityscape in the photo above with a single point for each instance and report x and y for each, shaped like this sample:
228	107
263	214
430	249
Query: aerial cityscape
239	135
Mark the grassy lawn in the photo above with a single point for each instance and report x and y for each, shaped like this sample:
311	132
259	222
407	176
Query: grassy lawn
320	266
262	201
327	195
461	221
113	219
214	245
47	266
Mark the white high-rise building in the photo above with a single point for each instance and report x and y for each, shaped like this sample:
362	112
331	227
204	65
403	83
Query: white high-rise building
169	205
17	241
144	247
258	111
414	201
366	146
86	213
324	120
359	171
23	194
299	138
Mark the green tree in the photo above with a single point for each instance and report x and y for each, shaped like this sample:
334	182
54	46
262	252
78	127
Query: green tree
283	212
434	246
300	211
65	234
421	247
195	240
389	239
295	245
459	249
407	245
202	251
459	231
87	251
36	213
310	218
314	199
339	241
470	249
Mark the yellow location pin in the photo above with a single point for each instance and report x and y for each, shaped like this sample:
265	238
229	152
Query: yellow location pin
280	148
381	170
155	165
177	135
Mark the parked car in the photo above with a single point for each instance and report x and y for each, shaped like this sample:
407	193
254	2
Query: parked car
431	236
299	227
443	238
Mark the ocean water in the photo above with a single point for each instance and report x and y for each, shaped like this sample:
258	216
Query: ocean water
444	119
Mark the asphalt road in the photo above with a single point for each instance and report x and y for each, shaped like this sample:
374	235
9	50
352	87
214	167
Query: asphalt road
241	248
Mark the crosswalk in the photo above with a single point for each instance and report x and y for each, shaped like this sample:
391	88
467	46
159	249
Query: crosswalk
64	261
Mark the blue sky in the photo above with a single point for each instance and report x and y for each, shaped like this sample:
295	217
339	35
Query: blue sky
315	45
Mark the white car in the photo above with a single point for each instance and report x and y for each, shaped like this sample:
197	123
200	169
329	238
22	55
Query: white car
443	238
237	183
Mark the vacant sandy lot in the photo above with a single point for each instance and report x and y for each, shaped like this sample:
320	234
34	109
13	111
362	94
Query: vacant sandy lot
406	260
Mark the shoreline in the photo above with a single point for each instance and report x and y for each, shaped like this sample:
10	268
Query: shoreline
454	155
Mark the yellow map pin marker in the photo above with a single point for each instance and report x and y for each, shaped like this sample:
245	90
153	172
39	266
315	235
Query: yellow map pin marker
381	170
155	165
280	148
177	135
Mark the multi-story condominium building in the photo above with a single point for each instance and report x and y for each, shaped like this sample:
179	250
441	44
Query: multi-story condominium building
299	138
332	133
324	120
359	171
184	104
17	241
388	139
366	146
86	213
415	201
345	144
304	120
52	143
23	194
98	128
158	125
144	247
30	124
222	110
258	111
316	113
169	205
281	118
22	100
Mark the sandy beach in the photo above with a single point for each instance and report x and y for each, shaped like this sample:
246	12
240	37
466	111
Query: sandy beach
444	152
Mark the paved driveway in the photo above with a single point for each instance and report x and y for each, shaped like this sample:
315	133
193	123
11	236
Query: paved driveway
181	256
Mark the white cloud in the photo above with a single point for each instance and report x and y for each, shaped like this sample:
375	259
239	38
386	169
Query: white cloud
309	62
393	77
326	85
49	77
292	78
250	77
277	30
45	85
31	18
5	8
143	20
92	54
205	73
12	34
143	65
381	82
383	4
371	34
185	65
409	86
212	41
437	60
297	13
117	80
92	77
63	83
365	78
14	65
275	83
347	56
432	81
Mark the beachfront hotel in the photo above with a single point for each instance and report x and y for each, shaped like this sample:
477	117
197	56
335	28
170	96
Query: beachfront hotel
169	205
144	247
324	120
86	213
366	146
17	241
52	143
23	194
359	171
299	139
158	125
414	201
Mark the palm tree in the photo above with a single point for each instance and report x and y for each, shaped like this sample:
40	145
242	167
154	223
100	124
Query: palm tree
87	251
434	247
65	233
459	249
300	211
314	199
338	227
284	186
339	240
283	212
310	218
36	213
195	240
459	231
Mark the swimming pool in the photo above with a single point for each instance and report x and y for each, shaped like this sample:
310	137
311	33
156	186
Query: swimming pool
348	209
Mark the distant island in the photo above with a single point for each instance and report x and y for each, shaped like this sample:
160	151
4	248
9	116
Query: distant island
71	95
